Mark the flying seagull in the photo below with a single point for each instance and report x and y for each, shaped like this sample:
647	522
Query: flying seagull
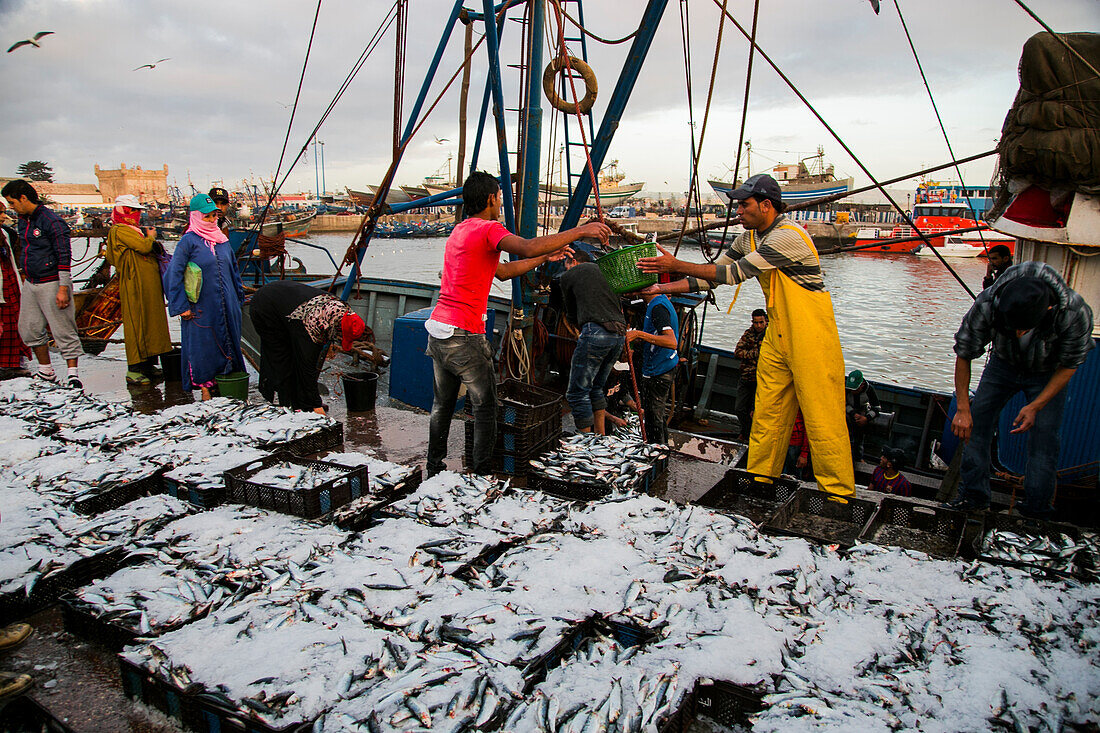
441	140
152	65
31	41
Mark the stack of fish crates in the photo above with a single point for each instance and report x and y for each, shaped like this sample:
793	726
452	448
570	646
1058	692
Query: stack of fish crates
528	425
310	502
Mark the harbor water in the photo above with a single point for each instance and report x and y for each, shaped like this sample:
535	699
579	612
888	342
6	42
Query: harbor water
897	314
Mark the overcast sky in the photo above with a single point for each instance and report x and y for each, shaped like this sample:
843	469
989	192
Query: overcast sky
216	111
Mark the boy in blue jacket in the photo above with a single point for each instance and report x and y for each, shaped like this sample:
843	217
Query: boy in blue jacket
45	257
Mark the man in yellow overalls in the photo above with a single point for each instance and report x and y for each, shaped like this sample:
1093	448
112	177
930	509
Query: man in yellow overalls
800	363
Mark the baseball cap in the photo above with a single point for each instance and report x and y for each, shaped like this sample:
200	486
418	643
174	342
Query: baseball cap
1022	302
855	378
219	194
759	185
128	200
202	202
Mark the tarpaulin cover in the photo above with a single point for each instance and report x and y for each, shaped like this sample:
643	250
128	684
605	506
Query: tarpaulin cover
1051	136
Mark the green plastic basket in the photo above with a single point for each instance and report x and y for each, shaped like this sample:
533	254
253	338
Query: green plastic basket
621	268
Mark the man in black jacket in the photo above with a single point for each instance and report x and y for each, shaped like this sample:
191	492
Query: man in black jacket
45	257
1041	331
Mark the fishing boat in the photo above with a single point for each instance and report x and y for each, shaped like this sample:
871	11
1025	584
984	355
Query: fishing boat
936	220
798	182
290	224
610	187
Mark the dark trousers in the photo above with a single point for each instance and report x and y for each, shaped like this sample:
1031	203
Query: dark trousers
745	403
465	358
999	383
655	400
597	351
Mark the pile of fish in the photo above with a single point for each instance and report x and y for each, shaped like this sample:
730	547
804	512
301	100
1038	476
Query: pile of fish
55	406
441	618
621	464
1058	552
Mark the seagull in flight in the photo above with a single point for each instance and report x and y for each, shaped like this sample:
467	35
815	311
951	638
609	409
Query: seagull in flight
31	41
152	65
441	140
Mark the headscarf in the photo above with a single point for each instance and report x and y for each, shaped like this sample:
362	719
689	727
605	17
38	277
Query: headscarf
208	230
351	328
322	317
126	215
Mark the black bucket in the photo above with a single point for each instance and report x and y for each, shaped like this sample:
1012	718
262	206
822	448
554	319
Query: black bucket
171	365
360	390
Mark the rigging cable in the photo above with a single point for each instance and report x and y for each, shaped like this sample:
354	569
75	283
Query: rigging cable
939	119
372	44
293	111
744	119
693	188
905	217
1058	38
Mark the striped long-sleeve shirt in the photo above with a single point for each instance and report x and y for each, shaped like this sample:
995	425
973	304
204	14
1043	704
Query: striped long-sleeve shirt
784	246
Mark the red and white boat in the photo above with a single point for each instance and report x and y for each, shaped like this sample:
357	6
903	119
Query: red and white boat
934	219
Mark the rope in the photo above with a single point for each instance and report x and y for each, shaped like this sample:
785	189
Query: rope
637	397
905	217
939	119
577	109
589	33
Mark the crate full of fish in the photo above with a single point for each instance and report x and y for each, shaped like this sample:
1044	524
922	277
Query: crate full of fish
296	486
147	599
508	461
588	466
48	581
114	494
822	517
594	636
932	529
730	706
201	481
1051	548
748	495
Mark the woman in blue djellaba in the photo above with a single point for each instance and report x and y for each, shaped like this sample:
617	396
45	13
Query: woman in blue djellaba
210	305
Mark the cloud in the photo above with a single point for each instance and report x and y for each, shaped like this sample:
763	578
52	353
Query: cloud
211	113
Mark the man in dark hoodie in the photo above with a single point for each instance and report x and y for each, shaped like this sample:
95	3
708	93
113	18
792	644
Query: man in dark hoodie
1041	331
45	257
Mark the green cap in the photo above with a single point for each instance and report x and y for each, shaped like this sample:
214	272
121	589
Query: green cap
855	378
202	202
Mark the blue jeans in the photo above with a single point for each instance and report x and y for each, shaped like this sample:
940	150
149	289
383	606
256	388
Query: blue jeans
597	351
999	383
465	358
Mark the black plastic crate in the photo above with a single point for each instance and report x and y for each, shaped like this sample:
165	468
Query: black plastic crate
625	634
206	497
115	495
822	517
724	702
357	518
24	714
328	438
309	503
196	711
81	621
748	495
523	405
935	530
518	441
589	490
17	604
1086	565
513	463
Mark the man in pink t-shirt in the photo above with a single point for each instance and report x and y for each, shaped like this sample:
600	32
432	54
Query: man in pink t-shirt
461	354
